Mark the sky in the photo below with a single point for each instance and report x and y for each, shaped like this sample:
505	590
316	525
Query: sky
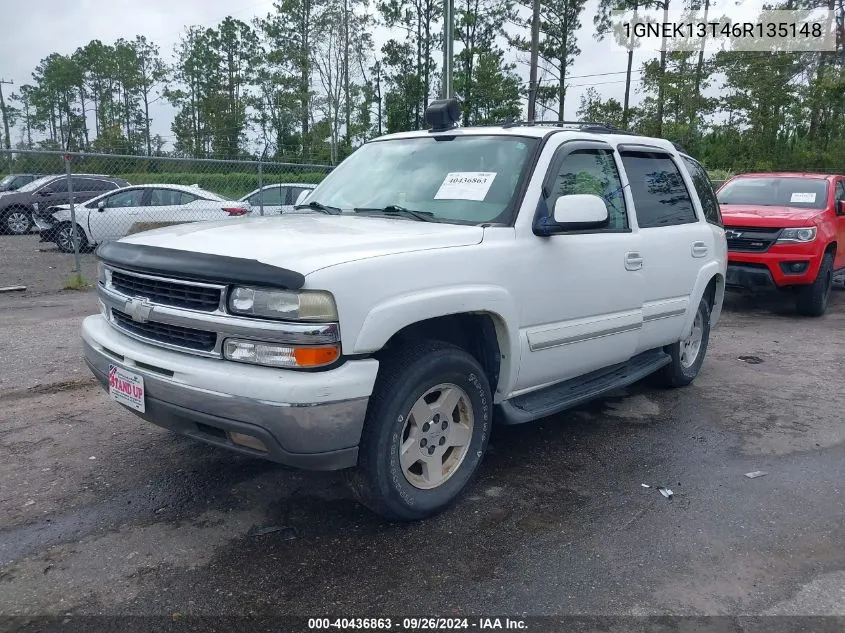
48	26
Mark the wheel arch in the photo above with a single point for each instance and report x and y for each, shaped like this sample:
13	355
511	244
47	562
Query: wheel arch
483	321
710	284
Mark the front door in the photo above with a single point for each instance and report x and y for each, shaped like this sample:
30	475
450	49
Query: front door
114	219
583	291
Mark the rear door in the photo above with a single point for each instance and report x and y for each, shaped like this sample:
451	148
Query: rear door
174	206
675	241
272	197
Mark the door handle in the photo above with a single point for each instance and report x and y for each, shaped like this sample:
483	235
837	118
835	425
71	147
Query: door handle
633	261
699	249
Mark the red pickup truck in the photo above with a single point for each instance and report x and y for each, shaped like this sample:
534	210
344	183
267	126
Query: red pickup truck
785	231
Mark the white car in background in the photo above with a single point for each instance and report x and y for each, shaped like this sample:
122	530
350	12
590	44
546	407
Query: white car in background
277	199
134	209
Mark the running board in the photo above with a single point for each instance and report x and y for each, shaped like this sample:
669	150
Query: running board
570	393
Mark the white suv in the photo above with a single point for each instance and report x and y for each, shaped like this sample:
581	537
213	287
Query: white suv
436	281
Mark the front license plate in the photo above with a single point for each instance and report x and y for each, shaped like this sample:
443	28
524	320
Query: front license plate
126	387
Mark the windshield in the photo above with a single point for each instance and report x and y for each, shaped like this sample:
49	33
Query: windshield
35	184
4	184
461	178
806	193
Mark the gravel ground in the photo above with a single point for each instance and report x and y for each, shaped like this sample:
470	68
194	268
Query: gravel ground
40	266
103	514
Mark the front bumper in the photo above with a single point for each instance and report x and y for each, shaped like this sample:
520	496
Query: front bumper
770	262
309	420
46	227
750	277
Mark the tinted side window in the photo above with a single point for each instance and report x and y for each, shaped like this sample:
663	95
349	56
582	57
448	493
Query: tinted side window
272	196
704	189
590	171
165	197
57	186
840	190
83	184
185	198
130	198
660	196
104	185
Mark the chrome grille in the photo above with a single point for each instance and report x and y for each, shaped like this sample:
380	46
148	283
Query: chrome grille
190	338
166	292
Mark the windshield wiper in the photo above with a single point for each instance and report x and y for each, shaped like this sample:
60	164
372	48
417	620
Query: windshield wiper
318	206
395	209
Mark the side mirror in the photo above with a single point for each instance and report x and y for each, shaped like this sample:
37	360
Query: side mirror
101	205
580	211
303	195
841	209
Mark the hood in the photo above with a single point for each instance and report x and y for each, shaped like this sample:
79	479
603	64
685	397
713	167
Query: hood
759	215
11	197
306	243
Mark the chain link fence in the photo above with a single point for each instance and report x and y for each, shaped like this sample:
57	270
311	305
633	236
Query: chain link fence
73	202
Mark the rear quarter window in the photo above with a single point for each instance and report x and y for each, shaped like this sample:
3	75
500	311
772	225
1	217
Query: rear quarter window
704	188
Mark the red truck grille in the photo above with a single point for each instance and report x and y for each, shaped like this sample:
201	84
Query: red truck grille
751	239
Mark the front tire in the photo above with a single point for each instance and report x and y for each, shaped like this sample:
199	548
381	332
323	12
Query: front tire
688	354
813	298
426	431
64	238
17	222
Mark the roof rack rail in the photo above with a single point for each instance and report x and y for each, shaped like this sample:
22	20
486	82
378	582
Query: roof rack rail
586	126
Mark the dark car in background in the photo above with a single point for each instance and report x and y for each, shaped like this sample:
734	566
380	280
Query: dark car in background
13	182
16	208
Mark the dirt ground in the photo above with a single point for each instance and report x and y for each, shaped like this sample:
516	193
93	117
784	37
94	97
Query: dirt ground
40	266
104	514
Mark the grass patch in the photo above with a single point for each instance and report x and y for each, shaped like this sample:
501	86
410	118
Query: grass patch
75	282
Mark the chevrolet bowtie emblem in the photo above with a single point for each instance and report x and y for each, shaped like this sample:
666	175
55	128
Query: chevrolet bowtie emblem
139	309
733	235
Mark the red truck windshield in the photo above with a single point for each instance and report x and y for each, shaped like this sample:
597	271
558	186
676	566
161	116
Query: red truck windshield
805	193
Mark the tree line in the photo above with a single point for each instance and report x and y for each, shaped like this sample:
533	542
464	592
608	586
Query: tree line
305	83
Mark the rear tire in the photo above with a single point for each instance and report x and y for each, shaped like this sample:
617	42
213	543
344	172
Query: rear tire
64	238
426	431
813	298
688	354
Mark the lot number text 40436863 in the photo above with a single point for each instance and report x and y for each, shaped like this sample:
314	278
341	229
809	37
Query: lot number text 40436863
416	624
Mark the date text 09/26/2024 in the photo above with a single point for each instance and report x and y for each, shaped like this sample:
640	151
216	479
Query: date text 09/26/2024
416	624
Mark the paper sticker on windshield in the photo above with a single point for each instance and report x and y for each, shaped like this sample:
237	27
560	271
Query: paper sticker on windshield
803	197
465	185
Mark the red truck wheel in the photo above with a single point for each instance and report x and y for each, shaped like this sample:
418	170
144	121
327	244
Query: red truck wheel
812	299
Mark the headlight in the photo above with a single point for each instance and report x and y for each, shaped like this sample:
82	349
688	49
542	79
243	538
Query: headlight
103	274
278	355
306	305
798	235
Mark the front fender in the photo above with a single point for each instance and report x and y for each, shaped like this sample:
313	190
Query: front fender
389	317
63	215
